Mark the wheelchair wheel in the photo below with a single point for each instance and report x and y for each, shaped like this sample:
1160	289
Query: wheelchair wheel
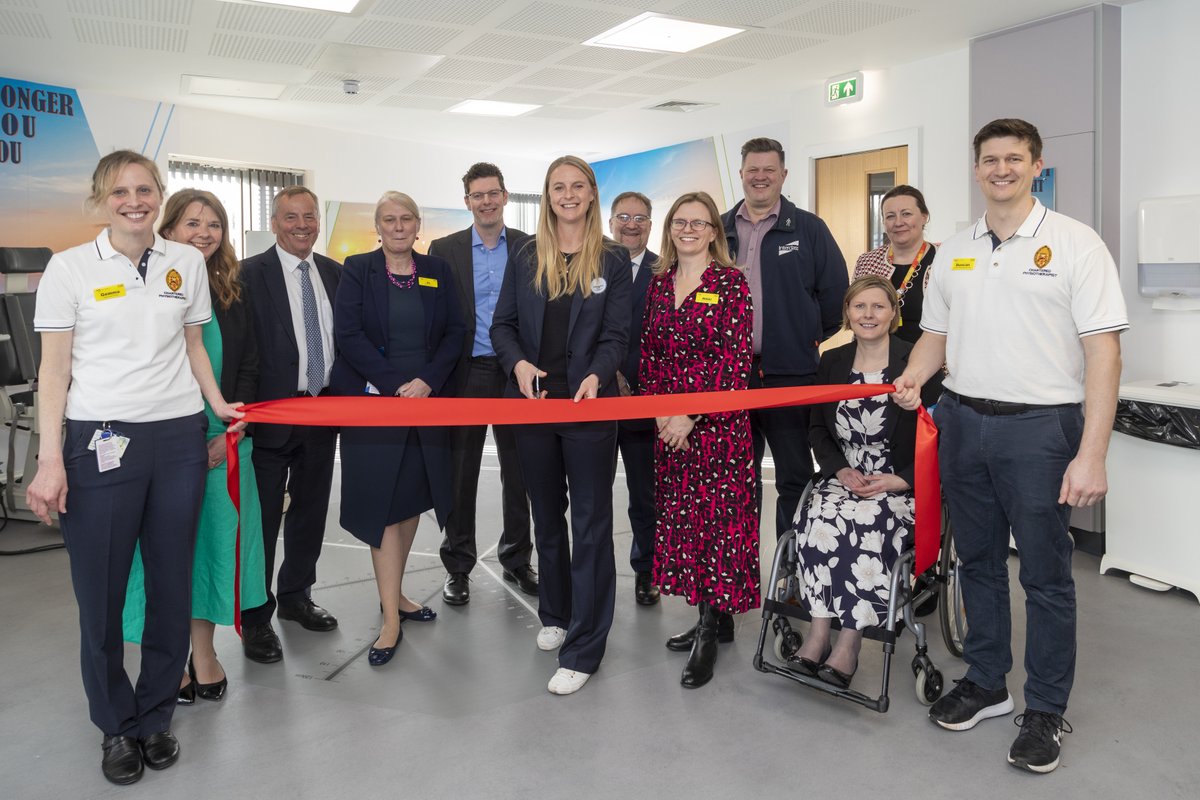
787	640
929	686
951	611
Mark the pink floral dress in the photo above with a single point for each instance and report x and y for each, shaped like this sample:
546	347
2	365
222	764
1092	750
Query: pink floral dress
706	533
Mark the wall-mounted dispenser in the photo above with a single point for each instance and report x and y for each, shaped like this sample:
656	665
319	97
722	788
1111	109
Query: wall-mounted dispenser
1169	252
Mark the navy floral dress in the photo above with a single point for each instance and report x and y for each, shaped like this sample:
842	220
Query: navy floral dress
847	544
706	524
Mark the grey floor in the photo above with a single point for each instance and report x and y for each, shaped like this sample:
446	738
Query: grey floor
463	712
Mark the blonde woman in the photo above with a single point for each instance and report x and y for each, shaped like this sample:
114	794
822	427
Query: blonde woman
561	329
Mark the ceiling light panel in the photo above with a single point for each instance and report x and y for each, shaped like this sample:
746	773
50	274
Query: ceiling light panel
654	32
511	48
491	108
274	21
844	17
23	24
569	22
743	12
564	78
458	12
118	33
230	87
464	69
256	48
760	46
401	36
610	58
697	67
174	12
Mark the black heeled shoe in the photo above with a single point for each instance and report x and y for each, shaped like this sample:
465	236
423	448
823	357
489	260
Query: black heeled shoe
378	656
806	666
835	677
205	691
187	694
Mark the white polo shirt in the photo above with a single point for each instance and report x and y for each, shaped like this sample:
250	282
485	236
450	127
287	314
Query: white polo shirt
128	357
1014	315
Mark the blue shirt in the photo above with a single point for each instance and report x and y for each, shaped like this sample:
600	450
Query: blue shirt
487	269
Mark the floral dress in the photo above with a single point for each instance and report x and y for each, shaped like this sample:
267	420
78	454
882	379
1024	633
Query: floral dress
706	523
847	544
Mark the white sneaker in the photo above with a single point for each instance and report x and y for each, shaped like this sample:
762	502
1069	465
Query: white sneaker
551	638
567	681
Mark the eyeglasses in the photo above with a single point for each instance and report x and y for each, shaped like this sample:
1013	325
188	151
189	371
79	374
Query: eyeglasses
639	219
493	195
694	224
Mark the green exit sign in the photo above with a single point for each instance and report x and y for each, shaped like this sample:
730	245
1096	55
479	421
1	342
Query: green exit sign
844	89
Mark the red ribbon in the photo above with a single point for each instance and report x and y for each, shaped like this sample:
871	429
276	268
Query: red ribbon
407	411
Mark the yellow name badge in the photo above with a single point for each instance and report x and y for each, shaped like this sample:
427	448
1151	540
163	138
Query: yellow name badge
963	263
707	298
430	282
109	292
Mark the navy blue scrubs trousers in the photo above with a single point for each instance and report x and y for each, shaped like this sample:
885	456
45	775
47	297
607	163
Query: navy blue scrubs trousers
153	499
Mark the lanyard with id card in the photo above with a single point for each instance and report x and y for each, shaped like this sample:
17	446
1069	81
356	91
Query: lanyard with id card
109	446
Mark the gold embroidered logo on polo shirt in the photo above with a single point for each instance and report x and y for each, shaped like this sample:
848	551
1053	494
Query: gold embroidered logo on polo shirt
174	281
1041	259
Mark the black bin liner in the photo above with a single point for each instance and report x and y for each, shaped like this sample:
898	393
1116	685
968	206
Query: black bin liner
1156	422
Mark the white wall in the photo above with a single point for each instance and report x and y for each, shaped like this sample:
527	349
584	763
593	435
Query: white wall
1159	158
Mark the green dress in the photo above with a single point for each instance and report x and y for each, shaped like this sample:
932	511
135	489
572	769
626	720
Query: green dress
212	569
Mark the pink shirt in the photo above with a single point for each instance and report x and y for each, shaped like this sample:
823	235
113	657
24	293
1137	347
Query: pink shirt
750	236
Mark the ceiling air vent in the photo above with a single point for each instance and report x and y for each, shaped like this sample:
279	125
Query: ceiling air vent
682	106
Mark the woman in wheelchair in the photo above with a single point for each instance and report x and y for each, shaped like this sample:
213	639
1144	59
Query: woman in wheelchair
860	514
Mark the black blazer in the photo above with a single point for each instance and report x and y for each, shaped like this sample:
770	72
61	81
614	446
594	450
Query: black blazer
361	325
456	250
901	425
633	357
239	349
598	333
278	355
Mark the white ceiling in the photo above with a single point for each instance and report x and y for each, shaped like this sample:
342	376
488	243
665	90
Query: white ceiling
515	50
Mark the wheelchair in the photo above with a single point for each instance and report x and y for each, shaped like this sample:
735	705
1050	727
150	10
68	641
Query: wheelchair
783	604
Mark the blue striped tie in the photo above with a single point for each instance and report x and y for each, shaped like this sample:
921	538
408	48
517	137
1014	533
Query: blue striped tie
315	373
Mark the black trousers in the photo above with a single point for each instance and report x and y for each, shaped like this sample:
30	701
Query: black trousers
153	499
303	467
485	378
785	430
572	464
636	443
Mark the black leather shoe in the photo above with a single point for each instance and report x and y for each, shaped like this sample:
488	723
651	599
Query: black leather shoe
835	677
310	616
378	656
457	590
699	668
122	760
682	642
206	691
260	644
159	750
806	666
525	579
644	590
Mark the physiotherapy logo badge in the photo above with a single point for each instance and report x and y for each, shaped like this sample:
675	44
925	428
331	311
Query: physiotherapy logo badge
1041	259
174	281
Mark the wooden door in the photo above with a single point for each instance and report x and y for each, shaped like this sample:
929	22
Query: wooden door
849	190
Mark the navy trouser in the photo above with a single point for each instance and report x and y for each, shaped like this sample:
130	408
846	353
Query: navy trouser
1002	473
636	442
577	579
153	499
785	430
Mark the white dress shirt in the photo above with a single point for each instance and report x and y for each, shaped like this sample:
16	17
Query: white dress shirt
291	279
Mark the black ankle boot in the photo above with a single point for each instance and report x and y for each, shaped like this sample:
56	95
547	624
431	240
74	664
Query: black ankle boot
699	668
682	642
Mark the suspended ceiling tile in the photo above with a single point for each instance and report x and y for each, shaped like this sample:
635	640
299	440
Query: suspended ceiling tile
445	89
563	112
465	69
256	48
605	100
610	58
844	17
401	36
647	86
367	83
522	94
274	21
174	12
569	22
312	94
759	46
426	103
564	78
458	12
512	48
118	33
696	67
741	13
24	24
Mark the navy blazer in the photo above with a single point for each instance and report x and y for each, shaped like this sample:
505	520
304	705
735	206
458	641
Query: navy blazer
456	249
360	326
633	357
598	332
900	425
278	354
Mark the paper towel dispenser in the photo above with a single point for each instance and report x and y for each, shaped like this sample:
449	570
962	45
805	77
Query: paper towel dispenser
1169	251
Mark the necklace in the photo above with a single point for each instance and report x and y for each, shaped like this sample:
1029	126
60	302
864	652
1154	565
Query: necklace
407	281
908	279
